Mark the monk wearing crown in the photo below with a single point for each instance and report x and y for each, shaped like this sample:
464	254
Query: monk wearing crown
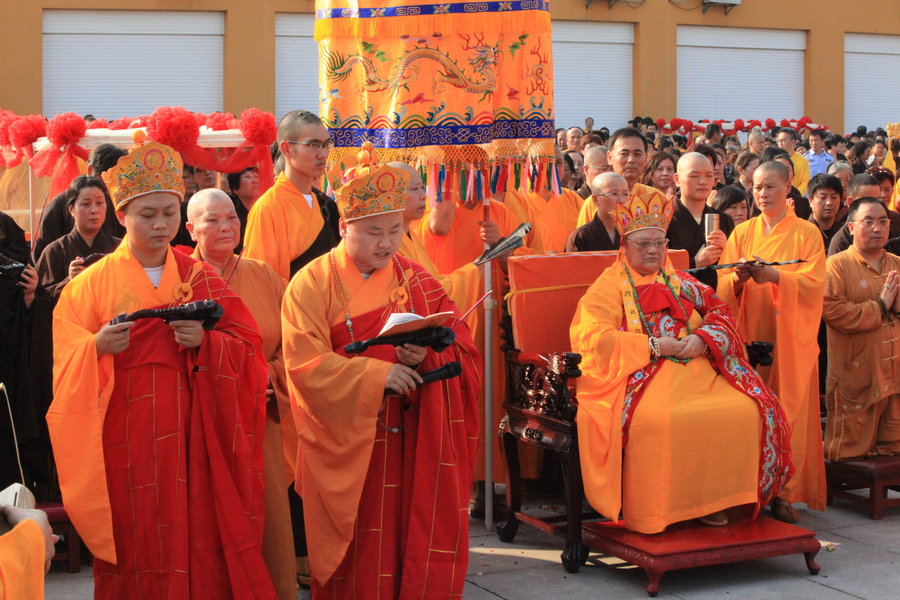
384	463
666	379
783	306
157	427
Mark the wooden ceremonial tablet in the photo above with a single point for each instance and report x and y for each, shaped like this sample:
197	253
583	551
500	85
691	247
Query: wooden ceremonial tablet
691	544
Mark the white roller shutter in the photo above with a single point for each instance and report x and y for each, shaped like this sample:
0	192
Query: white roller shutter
733	73
296	64
871	80
592	73
114	63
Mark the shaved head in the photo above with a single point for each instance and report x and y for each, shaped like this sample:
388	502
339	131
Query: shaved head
205	198
601	183
773	166
406	167
692	160
595	153
415	192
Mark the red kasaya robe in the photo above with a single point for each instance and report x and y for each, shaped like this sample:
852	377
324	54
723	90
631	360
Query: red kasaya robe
385	508
159	448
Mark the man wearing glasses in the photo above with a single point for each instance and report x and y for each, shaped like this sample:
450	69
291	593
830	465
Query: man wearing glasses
862	311
863	186
293	222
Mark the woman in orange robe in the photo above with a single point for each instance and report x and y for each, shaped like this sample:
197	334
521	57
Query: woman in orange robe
783	306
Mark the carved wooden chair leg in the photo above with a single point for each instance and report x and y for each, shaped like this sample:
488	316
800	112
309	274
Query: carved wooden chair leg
575	553
509	448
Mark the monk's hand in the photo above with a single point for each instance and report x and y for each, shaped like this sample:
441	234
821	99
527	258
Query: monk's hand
76	267
693	346
15	515
112	339
763	273
29	283
742	271
411	355
669	346
889	289
708	255
187	333
490	233
402	379
717	238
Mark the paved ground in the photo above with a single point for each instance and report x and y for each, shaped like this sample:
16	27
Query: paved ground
859	561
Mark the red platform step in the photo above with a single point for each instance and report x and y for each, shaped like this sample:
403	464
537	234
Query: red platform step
876	474
690	544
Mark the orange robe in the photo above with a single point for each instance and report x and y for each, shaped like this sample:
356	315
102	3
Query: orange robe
281	226
158	448
22	555
261	289
553	219
693	440
461	246
786	314
385	509
463	285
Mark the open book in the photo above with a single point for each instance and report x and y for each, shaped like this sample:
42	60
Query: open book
405	322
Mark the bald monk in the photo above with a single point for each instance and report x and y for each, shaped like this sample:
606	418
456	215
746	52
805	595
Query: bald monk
595	162
385	462
215	226
157	427
695	177
627	156
783	305
293	222
600	233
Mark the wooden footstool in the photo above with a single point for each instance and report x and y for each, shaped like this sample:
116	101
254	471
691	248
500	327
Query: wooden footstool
690	544
877	474
62	526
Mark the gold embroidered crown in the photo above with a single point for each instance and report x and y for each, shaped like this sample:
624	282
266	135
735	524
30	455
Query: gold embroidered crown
371	189
150	168
647	208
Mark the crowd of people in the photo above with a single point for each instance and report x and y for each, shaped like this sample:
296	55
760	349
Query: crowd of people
237	446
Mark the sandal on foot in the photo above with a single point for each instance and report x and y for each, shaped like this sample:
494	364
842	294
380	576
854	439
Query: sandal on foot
716	519
783	511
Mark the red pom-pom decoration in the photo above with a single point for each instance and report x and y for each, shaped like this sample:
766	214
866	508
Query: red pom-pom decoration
687	125
753	123
219	121
6	119
66	129
677	123
173	126
26	130
660	123
739	124
200	118
770	123
98	124
258	126
804	122
119	124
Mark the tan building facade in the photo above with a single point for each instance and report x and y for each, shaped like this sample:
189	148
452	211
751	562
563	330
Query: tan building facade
660	36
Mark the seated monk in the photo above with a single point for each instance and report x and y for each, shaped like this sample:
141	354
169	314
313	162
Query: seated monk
666	379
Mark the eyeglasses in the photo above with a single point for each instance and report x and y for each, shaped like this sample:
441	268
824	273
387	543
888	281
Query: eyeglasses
645	245
316	145
615	195
870	223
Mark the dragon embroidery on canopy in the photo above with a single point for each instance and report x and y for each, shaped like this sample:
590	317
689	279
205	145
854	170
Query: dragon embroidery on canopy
483	61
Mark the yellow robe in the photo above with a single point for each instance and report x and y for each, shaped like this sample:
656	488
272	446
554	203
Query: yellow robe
693	443
787	314
22	555
801	172
553	219
281	226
